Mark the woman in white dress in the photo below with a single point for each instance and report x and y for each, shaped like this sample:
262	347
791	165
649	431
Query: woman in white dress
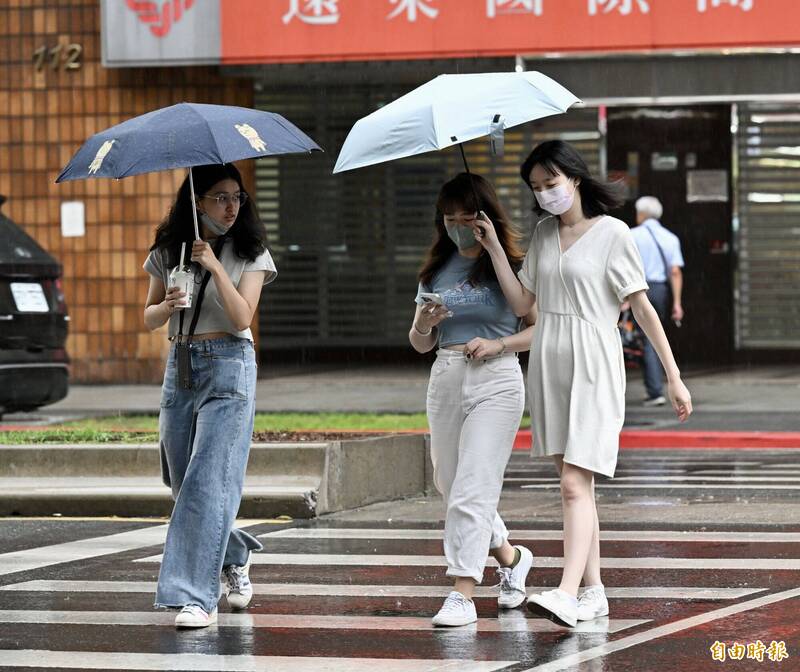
580	266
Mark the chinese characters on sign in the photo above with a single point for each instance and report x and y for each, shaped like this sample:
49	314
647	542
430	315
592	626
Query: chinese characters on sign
315	12
775	652
495	7
744	5
326	12
410	7
624	7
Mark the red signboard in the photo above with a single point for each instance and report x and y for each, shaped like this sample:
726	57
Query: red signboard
273	31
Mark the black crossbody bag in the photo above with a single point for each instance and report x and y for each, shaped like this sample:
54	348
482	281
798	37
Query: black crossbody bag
183	353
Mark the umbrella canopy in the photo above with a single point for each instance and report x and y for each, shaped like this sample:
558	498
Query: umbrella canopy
185	135
450	110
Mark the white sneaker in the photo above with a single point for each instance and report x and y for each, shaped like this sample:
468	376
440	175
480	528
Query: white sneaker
592	603
512	581
192	616
456	610
654	401
236	584
555	603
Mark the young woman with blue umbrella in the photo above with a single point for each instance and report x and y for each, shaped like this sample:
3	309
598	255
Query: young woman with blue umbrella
208	393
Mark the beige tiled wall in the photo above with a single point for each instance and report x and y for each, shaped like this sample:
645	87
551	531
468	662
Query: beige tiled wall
44	117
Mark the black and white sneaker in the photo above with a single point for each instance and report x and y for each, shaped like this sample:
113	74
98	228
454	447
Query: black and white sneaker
236	584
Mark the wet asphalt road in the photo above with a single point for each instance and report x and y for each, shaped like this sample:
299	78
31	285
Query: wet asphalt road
701	556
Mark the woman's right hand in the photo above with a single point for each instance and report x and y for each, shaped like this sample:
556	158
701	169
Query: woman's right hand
173	297
430	315
485	232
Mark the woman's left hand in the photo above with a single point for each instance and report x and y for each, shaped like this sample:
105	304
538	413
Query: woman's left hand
480	348
204	255
681	399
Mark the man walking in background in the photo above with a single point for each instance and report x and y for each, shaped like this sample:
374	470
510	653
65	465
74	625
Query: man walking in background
663	261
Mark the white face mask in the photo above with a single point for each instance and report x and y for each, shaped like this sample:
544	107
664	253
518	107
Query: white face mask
213	225
556	200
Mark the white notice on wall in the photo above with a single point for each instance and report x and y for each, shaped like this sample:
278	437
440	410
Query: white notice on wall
73	219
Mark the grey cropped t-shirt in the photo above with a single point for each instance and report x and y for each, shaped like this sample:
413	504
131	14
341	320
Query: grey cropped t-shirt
212	313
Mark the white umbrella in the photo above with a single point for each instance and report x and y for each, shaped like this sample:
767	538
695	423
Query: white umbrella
450	110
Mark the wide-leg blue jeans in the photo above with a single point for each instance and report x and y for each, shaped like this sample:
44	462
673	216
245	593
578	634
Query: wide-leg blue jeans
205	441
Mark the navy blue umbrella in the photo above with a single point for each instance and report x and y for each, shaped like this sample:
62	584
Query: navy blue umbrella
185	135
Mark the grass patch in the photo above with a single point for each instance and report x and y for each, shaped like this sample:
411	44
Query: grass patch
144	428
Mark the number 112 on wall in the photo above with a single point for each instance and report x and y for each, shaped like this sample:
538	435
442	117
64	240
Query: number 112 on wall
64	56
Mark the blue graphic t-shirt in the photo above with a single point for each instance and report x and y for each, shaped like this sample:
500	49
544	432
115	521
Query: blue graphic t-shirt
480	311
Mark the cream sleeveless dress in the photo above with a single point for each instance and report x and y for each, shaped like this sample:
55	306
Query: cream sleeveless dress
576	372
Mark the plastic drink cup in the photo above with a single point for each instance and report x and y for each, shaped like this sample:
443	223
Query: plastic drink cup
183	278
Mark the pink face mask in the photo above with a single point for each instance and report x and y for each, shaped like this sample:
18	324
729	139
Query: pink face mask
556	200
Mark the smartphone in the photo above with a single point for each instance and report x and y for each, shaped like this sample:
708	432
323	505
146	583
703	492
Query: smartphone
431	297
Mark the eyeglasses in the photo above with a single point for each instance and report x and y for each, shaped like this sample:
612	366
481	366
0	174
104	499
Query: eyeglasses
239	198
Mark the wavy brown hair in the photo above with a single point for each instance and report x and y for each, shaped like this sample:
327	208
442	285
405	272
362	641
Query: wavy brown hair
459	194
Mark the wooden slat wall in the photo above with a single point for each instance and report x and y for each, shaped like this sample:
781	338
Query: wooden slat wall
768	277
44	117
348	247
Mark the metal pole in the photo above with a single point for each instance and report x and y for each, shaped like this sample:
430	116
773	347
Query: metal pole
194	206
471	183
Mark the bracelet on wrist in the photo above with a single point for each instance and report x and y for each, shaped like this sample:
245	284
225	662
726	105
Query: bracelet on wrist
420	332
503	343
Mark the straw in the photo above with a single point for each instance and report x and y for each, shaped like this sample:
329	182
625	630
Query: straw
183	252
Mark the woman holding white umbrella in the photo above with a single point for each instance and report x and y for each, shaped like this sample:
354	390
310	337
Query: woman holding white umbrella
475	395
580	267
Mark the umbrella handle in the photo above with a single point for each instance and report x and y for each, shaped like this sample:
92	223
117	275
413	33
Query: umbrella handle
471	183
194	205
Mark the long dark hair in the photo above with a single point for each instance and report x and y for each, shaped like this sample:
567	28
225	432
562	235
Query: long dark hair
458	194
248	232
557	156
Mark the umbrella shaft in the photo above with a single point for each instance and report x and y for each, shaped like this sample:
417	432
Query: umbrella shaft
194	205
471	182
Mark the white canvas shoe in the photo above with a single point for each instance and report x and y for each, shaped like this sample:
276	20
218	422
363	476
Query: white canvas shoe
193	616
555	603
236	584
456	610
512	581
592	603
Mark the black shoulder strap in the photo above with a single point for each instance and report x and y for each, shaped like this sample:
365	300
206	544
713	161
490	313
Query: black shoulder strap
198	304
661	252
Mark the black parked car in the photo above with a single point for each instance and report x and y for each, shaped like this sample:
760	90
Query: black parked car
33	323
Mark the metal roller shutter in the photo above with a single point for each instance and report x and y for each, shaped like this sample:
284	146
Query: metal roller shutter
348	246
768	238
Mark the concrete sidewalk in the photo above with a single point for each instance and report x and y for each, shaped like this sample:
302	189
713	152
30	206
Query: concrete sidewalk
736	399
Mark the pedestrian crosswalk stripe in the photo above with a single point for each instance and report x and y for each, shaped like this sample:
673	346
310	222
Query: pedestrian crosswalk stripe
512	621
534	535
358	590
572	661
355	559
44	556
198	662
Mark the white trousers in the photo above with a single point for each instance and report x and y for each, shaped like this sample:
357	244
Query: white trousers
474	411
